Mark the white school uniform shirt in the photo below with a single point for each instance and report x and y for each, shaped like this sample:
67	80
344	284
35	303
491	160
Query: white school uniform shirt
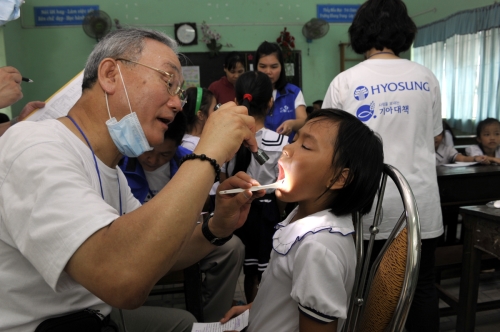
311	269
157	179
401	101
50	203
272	143
190	142
445	154
475	150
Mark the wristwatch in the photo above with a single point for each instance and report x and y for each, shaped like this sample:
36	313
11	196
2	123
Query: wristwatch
217	241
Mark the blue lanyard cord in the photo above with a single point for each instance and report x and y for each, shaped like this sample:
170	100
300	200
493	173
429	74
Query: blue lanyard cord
96	166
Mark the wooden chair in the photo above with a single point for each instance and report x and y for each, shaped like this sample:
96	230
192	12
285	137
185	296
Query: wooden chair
190	279
382	303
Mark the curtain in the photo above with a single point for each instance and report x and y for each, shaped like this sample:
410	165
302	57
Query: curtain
468	70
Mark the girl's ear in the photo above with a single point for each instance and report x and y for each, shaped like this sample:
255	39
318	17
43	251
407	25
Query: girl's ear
478	140
341	181
200	115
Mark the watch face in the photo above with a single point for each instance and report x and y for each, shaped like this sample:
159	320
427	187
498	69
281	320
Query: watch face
186	33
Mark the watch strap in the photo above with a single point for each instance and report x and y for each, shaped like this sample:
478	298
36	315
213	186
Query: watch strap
211	237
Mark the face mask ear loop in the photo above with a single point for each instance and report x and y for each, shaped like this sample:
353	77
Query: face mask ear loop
124	87
107	105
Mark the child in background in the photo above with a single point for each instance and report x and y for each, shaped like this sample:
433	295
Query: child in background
488	137
446	154
254	90
332	169
449	136
200	104
151	171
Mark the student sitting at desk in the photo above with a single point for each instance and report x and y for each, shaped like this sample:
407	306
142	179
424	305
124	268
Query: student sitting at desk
147	175
446	154
488	138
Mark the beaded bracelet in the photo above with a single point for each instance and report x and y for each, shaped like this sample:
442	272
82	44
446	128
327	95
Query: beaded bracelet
213	162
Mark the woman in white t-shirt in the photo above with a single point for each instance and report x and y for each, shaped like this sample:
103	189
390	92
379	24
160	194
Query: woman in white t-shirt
400	100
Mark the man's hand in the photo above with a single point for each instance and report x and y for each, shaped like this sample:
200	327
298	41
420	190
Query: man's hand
10	86
231	211
285	128
29	108
225	131
235	311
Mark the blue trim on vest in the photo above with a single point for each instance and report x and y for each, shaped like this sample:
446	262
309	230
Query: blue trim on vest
136	177
286	100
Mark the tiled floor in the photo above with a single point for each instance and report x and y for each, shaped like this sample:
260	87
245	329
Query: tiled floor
489	289
486	321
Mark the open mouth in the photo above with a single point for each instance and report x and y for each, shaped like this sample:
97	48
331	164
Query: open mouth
165	121
281	174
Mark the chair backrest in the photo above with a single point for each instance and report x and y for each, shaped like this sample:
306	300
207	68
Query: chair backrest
382	303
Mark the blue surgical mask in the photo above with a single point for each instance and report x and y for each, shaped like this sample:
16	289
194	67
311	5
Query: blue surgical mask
9	10
127	134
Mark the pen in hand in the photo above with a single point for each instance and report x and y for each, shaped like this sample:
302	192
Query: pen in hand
29	80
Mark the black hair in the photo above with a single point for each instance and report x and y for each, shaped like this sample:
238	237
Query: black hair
382	23
267	48
446	127
480	128
4	118
318	102
232	58
309	109
259	86
360	150
189	109
177	129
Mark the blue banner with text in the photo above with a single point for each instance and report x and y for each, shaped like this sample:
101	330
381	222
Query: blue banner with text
62	15
337	13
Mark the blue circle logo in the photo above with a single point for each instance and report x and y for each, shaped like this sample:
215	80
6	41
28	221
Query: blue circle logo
361	93
364	113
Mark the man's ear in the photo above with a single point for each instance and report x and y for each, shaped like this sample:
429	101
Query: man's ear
341	181
108	75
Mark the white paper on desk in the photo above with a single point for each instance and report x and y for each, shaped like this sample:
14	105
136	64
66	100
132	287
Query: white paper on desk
60	103
236	324
461	163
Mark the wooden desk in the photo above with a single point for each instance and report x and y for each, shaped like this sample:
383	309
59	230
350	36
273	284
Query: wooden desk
462	186
482	234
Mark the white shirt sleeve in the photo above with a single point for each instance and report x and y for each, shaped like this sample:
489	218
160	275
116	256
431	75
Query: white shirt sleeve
436	109
473	150
333	98
50	208
317	287
299	100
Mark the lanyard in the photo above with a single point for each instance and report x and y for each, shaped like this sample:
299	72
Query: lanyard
97	167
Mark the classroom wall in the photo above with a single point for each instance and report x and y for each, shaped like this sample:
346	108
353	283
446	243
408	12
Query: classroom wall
51	56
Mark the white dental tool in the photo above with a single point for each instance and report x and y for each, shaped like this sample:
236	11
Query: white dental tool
277	184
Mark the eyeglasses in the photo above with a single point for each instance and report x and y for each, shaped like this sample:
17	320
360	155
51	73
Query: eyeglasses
173	86
217	106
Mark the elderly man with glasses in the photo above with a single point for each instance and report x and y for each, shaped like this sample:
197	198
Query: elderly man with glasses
74	242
